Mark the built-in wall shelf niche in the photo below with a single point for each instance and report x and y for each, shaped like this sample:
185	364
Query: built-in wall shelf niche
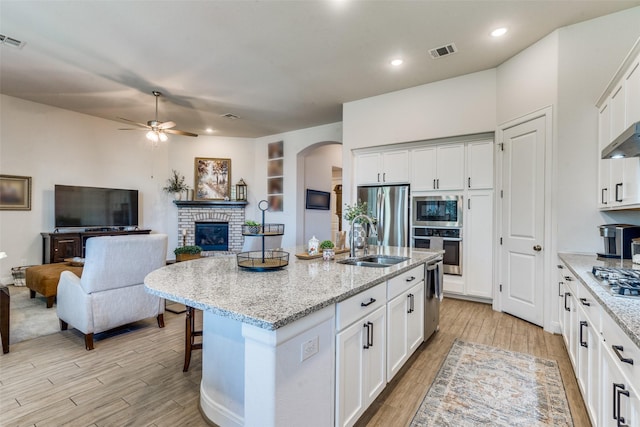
275	176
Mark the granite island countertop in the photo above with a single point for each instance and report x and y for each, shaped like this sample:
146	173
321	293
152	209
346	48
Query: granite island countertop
624	311
273	299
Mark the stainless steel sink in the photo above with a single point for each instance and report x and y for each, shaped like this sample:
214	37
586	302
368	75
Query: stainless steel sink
376	261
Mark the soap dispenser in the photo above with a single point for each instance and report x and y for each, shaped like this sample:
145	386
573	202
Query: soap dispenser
313	246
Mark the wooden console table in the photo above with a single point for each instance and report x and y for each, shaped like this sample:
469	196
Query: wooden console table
58	246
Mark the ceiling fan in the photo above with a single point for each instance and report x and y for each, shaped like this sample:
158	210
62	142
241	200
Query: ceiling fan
158	130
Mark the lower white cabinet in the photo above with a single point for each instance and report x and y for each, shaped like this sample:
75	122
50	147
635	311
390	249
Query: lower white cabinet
619	404
405	326
478	244
360	353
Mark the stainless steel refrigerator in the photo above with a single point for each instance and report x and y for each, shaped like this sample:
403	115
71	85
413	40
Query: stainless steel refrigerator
389	204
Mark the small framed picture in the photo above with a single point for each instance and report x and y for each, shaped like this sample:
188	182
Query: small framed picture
15	193
212	179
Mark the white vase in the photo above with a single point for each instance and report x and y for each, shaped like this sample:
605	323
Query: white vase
177	195
359	236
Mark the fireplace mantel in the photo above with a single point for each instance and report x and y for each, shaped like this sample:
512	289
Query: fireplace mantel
211	203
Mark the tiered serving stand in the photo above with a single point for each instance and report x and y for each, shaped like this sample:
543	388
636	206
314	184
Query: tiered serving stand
263	260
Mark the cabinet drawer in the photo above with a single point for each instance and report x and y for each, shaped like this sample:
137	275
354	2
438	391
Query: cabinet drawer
404	281
590	306
614	336
352	309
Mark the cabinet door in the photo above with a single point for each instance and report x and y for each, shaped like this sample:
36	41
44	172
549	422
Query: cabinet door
395	167
561	291
368	167
478	223
396	334
480	165
423	169
631	181
65	247
350	400
450	167
618	115
632	94
375	368
604	138
616	182
619	401
415	318
587	372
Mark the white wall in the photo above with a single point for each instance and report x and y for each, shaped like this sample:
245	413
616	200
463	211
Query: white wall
318	166
293	196
55	146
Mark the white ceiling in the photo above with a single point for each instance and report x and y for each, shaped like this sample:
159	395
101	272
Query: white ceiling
278	65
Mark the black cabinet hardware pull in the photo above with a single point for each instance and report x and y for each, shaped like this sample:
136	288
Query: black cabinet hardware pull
583	343
584	302
371	301
616	409
617	349
565	301
434	184
384	177
560	267
366	326
370	338
602	199
469	182
618	186
568	278
560	294
410	278
620	417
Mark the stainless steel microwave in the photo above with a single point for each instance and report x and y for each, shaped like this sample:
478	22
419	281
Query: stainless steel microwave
437	211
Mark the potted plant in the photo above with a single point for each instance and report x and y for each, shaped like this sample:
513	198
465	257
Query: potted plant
185	253
175	185
251	227
326	246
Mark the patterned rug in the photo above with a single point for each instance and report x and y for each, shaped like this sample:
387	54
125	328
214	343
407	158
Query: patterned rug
481	385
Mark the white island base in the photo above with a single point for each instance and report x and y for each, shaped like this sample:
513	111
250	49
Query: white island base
267	378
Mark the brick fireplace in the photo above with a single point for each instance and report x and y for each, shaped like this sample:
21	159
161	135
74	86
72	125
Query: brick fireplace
208	214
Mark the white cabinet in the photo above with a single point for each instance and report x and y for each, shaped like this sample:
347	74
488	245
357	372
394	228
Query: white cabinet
619	400
360	353
588	349
480	165
388	167
405	318
619	108
437	168
478	244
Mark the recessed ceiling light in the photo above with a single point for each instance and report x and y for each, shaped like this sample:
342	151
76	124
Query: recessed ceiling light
397	62
499	32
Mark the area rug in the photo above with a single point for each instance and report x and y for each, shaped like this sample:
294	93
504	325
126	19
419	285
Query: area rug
30	318
482	385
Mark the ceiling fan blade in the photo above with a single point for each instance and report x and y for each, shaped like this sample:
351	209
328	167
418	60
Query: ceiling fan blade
166	125
135	123
180	132
130	129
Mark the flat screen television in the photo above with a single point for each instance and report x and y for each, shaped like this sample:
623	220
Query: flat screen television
318	200
95	207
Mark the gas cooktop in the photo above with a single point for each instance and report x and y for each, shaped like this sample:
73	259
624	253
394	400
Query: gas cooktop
622	281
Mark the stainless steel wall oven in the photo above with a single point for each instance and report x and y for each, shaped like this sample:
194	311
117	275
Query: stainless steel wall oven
449	239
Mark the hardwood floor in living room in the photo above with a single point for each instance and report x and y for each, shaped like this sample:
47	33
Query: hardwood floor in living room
136	378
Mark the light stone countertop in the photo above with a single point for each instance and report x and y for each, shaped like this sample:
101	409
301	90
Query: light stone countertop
624	311
273	299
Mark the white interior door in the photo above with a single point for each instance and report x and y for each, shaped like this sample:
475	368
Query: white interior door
522	263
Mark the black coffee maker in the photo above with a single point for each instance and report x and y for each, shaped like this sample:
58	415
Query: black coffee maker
617	239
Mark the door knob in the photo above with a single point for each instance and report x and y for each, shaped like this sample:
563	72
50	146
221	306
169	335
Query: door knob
537	248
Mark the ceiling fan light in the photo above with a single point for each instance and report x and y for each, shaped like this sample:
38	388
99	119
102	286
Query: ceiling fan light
152	136
163	136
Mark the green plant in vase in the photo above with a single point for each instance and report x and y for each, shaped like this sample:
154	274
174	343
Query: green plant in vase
184	253
176	185
252	227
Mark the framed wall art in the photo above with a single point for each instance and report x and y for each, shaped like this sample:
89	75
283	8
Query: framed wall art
15	193
212	179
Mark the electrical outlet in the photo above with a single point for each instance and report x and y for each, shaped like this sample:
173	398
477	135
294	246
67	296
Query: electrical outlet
309	348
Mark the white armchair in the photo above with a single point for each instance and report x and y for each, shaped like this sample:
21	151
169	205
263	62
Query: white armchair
111	292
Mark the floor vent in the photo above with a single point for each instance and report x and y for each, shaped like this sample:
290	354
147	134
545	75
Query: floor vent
229	116
10	41
439	52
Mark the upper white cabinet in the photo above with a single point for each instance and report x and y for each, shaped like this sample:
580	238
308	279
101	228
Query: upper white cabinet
480	165
437	168
619	108
388	167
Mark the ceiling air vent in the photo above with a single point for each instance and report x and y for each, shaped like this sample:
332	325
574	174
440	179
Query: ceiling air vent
229	116
10	41
439	52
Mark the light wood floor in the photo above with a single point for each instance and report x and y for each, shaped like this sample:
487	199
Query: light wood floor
135	377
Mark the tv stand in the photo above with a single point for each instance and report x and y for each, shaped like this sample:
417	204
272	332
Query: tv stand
57	246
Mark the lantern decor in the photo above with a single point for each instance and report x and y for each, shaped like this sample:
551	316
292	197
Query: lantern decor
241	190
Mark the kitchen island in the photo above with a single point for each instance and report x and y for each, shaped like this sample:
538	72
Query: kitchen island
269	337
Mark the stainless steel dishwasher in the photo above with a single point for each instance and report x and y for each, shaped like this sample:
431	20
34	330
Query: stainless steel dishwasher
433	296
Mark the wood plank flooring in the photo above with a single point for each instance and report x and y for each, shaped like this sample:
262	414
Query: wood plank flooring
135	378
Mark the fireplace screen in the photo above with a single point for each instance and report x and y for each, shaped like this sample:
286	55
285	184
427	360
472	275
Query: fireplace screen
212	236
